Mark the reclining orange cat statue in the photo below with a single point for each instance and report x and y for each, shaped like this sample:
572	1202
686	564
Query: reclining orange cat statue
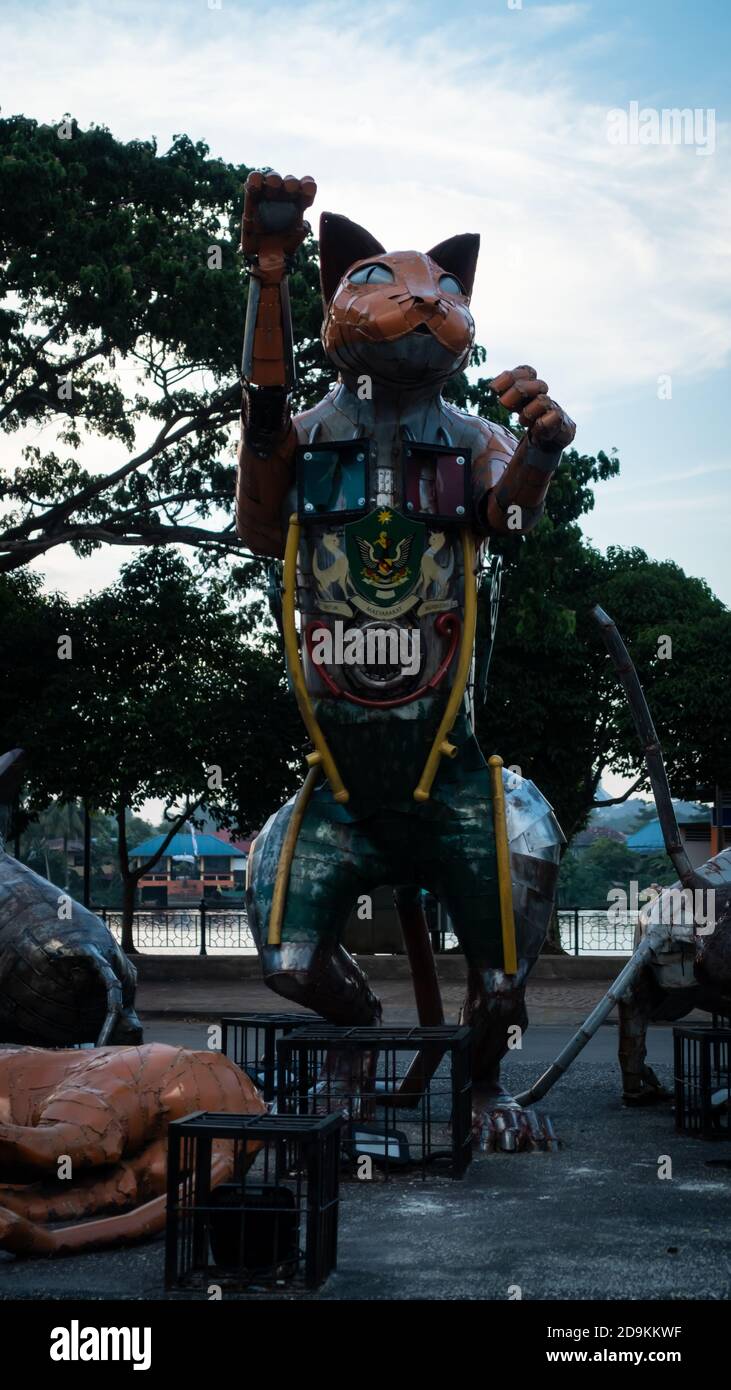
107	1112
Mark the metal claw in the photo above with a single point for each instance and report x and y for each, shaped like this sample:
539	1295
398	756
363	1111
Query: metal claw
487	1136
510	1131
551	1138
536	1136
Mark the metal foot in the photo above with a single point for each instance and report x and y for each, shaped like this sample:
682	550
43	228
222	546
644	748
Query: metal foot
645	1090
510	1129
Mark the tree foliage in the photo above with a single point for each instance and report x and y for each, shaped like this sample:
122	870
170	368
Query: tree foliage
122	302
155	691
555	707
589	874
162	674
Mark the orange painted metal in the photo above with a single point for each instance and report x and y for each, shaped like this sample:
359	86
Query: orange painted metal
106	1111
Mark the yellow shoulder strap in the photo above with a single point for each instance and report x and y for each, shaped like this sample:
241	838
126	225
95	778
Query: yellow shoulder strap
322	755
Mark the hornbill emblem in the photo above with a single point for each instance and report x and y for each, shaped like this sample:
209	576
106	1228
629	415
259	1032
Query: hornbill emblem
380	565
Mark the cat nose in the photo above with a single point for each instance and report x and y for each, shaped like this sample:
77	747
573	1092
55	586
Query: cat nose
425	301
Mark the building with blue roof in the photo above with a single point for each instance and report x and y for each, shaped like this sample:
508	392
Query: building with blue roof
695	836
195	865
648	840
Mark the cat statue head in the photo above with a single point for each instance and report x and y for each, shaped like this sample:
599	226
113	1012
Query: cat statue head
401	318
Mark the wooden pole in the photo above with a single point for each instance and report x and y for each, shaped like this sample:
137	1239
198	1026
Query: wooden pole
428	995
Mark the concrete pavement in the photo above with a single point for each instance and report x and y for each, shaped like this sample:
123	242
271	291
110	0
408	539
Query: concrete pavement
605	1216
549	1001
594	1219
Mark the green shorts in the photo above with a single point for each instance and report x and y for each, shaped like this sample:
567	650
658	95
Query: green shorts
445	845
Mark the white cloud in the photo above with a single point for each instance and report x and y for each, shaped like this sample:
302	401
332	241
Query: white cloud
603	265
614	506
670	478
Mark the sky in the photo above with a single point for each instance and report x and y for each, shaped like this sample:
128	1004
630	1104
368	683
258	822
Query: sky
603	264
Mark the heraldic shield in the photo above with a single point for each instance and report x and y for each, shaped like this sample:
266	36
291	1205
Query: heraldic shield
384	551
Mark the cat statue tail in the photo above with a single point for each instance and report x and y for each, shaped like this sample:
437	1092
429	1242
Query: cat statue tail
658	933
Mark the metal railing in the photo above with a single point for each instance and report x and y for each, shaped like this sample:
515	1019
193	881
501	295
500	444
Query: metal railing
204	929
590	931
186	931
583	931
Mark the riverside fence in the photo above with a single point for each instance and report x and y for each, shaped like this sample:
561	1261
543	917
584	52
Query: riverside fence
210	931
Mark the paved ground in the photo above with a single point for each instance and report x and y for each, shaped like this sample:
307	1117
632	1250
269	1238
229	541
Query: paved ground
592	1220
549	1001
540	1043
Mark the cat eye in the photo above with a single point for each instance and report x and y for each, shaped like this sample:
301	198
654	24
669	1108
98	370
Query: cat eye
372	275
450	284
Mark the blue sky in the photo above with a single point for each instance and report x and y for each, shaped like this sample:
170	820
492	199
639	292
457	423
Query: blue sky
605	266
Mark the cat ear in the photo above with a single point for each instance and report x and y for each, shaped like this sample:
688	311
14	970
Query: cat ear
342	243
458	255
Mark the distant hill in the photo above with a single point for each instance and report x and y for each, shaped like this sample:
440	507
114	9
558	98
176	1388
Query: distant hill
631	815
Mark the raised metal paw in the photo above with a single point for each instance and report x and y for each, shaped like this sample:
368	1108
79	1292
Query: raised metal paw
510	1129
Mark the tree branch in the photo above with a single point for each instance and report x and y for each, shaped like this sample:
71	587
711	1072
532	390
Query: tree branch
55	369
163	440
190	807
137	513
617	800
22	366
19	553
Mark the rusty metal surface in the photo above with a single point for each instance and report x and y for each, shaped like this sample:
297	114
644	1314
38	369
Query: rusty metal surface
689	968
61	979
106	1111
398	324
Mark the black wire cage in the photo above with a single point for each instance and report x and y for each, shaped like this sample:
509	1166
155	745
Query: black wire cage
703	1080
405	1093
273	1221
250	1041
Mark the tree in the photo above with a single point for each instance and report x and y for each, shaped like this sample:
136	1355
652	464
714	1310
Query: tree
554	705
588	874
47	825
122	301
642	817
33	671
64	820
167	699
115	259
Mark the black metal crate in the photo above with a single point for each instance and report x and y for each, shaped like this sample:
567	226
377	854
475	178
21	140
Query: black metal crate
405	1093
703	1080
272	1221
250	1041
